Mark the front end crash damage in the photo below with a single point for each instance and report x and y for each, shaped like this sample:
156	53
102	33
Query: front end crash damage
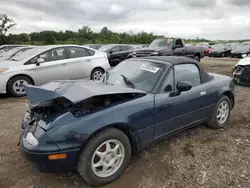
55	99
241	74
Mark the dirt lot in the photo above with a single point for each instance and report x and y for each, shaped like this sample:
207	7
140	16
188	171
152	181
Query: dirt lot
200	157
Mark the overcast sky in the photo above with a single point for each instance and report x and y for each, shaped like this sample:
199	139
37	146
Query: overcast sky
212	19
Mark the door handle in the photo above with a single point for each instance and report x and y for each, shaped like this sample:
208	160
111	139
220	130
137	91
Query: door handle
203	93
64	64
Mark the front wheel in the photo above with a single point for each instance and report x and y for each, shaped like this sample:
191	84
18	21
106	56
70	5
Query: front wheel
105	157
221	113
15	86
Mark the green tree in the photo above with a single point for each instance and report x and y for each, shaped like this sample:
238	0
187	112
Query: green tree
6	23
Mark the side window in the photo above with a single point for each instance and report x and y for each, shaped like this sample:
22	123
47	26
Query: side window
91	52
115	49
168	84
187	72
123	48
75	52
51	55
178	43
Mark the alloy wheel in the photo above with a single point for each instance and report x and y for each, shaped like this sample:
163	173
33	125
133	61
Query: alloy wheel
18	86
97	75
223	112
108	158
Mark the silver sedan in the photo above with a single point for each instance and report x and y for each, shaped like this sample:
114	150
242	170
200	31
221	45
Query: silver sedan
40	65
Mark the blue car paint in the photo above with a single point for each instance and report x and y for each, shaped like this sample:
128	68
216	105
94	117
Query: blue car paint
148	118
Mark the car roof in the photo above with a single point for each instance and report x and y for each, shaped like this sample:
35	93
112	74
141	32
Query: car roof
169	60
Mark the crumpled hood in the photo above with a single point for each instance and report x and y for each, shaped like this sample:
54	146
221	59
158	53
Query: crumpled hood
245	61
75	91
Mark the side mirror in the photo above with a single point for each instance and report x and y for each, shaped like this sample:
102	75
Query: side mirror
183	86
39	61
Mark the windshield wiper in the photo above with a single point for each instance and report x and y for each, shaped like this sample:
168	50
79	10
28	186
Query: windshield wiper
127	81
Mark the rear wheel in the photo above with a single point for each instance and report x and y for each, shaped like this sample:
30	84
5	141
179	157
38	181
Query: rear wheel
197	58
15	86
96	74
221	113
105	157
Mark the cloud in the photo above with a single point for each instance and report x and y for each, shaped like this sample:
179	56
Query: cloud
239	2
213	19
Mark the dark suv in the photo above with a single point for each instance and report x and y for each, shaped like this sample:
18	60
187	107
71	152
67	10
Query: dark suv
117	52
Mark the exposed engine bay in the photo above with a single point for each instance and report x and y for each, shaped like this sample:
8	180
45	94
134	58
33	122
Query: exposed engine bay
61	105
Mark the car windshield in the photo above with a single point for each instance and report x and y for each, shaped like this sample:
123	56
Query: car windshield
162	43
243	47
220	47
137	74
22	55
246	43
106	48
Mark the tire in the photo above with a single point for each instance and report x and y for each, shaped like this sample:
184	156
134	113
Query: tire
213	121
86	157
197	58
96	74
16	81
232	56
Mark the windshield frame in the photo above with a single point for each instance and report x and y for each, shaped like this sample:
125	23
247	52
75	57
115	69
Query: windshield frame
157	41
153	90
37	50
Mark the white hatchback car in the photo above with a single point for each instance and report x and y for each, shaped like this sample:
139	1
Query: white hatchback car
40	65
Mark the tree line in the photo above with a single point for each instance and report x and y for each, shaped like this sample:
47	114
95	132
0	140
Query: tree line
84	35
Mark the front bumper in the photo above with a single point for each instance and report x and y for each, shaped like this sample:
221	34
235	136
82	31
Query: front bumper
242	80
237	54
39	155
3	83
42	162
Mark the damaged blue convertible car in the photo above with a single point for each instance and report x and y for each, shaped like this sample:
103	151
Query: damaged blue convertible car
95	127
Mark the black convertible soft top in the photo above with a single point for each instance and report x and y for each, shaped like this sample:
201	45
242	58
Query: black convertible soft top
177	60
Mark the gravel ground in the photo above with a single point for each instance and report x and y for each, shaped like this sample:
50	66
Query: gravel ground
200	157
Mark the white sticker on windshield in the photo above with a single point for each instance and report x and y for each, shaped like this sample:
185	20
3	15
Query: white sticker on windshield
149	68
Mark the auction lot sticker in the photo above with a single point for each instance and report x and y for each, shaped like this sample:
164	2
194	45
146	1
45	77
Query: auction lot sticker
149	68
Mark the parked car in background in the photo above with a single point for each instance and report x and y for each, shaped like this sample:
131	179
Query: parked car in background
220	50
4	48
207	50
40	65
170	47
10	53
95	127
94	46
241	72
117	52
241	49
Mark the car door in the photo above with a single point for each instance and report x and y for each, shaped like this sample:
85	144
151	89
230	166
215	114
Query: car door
173	112
179	50
115	55
54	66
79	62
125	50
